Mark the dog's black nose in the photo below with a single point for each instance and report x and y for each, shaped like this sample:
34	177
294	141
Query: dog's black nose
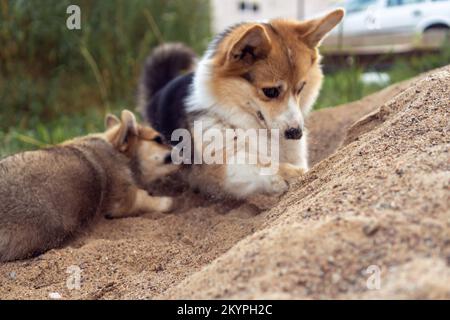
293	133
168	159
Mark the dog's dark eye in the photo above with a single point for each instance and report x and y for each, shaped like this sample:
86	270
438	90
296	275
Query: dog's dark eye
301	88
158	140
271	93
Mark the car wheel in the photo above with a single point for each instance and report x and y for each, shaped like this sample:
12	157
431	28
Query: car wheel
435	36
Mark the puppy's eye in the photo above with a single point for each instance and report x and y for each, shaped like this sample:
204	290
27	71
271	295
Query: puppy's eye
301	88
271	93
159	140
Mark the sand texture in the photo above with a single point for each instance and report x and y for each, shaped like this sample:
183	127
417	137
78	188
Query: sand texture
378	194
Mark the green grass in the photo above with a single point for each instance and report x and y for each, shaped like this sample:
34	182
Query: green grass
345	85
56	84
44	134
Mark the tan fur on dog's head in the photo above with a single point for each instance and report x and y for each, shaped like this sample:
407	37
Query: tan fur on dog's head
143	145
270	69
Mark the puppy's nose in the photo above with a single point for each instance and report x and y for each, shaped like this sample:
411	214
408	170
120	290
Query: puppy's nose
168	159
293	133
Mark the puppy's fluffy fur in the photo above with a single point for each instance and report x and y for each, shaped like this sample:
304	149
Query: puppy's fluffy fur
253	76
47	195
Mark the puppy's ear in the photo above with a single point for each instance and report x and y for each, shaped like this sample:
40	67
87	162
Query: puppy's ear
252	45
129	120
314	31
111	121
127	133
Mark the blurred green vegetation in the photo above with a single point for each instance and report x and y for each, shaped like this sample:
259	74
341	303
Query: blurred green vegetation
344	85
56	83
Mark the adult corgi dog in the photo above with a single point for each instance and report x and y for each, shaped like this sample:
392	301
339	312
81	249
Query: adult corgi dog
46	196
253	76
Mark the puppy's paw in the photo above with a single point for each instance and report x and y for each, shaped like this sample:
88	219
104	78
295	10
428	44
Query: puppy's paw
165	204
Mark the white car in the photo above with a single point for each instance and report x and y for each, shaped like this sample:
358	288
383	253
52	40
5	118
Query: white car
381	26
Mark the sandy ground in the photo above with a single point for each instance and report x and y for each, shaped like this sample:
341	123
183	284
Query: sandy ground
380	199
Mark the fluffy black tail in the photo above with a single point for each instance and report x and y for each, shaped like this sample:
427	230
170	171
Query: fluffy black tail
164	64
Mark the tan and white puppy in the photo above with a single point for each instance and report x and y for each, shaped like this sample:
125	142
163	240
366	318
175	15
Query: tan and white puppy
253	76
46	196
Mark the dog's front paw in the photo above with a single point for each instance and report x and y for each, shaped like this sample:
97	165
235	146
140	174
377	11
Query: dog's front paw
165	205
278	186
291	173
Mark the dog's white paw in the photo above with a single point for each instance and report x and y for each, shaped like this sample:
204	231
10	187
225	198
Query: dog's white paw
165	205
291	173
278	186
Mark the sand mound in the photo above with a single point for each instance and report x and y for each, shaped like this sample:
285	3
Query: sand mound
381	202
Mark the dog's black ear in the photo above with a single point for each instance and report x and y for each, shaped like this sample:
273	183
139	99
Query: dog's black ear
314	31
254	44
111	121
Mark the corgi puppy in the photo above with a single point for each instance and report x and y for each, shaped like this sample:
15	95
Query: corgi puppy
46	196
253	76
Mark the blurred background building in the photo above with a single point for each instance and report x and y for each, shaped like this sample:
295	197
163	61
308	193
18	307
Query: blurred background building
234	11
370	26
